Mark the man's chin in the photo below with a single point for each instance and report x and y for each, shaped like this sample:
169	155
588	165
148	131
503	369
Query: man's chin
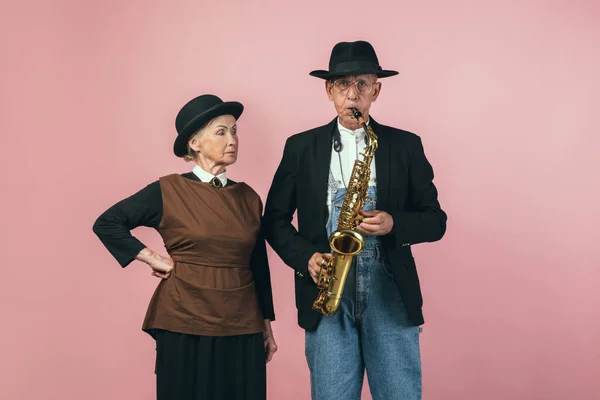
349	122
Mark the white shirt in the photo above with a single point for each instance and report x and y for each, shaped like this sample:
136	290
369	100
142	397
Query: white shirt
205	176
342	163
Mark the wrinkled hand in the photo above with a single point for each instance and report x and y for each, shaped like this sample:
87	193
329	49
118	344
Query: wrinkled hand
270	345
314	265
375	223
161	266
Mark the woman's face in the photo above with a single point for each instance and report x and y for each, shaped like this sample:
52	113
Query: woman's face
217	143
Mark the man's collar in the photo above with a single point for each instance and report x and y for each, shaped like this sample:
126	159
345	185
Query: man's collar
357	133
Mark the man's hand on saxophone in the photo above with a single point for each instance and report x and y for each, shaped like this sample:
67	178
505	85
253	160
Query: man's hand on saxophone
314	265
375	223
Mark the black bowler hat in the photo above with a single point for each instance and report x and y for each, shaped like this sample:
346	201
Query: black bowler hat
198	111
353	58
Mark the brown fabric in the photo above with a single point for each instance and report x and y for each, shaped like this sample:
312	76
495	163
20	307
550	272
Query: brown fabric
210	234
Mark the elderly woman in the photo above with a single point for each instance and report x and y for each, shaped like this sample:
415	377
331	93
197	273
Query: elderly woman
212	310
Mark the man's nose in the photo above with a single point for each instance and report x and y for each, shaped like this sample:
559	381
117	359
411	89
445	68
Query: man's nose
352	92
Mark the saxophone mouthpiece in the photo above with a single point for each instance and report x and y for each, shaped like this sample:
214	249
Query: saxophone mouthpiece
359	117
357	114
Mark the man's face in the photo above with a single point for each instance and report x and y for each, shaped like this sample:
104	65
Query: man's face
355	91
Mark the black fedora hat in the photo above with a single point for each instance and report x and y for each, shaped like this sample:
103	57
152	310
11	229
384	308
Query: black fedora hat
198	111
353	58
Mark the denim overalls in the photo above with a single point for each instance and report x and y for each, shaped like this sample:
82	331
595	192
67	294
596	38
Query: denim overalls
370	329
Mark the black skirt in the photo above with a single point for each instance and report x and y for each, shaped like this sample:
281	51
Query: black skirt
190	367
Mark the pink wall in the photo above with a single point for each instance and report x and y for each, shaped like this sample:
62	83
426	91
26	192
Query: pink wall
506	99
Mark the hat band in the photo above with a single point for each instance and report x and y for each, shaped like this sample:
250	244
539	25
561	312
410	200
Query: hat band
351	66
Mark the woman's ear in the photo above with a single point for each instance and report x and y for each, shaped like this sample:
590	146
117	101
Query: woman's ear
194	143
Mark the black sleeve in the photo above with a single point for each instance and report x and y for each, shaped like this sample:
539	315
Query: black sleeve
259	264
424	220
113	227
290	246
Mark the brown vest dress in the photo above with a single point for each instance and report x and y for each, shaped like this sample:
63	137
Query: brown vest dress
210	234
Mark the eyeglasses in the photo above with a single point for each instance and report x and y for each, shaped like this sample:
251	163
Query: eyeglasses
362	87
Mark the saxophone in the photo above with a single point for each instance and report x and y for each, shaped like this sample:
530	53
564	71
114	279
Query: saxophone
345	242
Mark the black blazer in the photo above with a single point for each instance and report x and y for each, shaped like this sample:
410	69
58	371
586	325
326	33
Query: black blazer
405	190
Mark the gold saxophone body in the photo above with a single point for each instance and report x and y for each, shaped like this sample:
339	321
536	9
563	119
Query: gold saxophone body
345	241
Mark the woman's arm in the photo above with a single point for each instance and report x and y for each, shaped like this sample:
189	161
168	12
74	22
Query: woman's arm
114	226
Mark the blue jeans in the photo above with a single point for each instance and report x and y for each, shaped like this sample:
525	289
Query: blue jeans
369	331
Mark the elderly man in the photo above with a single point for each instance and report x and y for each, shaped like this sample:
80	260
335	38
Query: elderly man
377	323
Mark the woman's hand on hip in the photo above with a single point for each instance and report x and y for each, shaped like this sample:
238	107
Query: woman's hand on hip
161	266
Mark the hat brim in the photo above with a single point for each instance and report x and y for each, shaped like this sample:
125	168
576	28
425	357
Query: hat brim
328	75
233	108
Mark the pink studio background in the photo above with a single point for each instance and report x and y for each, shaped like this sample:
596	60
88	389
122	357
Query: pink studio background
505	96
